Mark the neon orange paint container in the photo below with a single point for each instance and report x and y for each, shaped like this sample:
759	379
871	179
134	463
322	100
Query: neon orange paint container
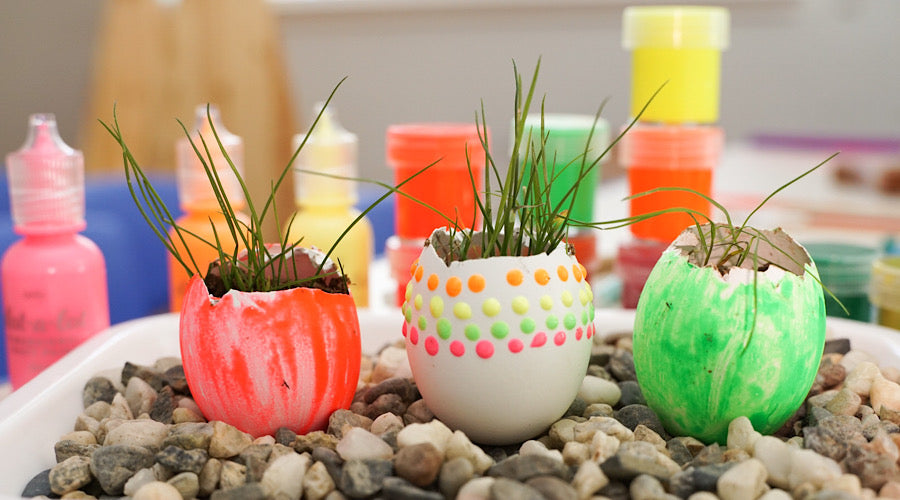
446	186
680	46
669	156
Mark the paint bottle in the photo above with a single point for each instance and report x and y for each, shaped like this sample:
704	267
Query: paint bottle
847	271
669	156
54	280
885	291
202	213
446	186
680	46
325	204
634	261
571	142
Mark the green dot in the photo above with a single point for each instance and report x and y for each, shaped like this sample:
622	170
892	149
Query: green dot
520	305
584	317
443	328
552	322
462	310
546	302
436	304
472	332
417	302
491	307
591	311
408	315
527	325
500	329
567	298
569	321
422	323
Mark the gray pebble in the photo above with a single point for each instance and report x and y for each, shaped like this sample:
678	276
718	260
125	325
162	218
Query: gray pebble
98	389
285	436
145	373
553	488
454	473
341	419
174	378
332	461
525	467
401	386
417	413
68	448
363	478
189	436
39	485
874	469
187	483
631	393
632	416
256	458
316	439
162	408
834	436
395	488
418	463
232	475
635	458
181	460
386	403
70	474
504	488
249	491
114	465
706	477
621	365
209	476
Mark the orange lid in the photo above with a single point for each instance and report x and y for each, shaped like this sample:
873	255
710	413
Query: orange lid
671	146
421	144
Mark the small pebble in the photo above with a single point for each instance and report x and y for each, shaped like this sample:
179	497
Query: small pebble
227	441
453	474
317	482
284	477
69	475
359	444
597	390
157	490
589	479
419	463
745	480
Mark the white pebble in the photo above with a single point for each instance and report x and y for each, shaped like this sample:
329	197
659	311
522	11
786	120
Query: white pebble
775	455
434	432
119	408
317	483
885	393
776	494
848	483
392	362
860	379
283	478
157	491
533	447
589	479
385	423
745	480
265	440
459	445
574	453
809	466
476	489
603	446
598	390
147	433
853	358
140	478
140	395
703	495
360	444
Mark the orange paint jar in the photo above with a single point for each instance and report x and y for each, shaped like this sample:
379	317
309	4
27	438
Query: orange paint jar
669	156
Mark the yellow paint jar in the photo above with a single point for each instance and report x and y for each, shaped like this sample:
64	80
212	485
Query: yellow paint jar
680	46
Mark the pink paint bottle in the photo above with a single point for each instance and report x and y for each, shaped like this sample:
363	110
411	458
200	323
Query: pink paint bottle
54	279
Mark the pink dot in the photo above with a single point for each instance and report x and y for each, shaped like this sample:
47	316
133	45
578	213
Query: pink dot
457	348
559	338
539	339
578	333
413	335
431	345
405	326
485	349
515	345
590	330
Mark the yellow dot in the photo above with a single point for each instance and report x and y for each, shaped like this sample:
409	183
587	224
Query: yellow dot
567	298
546	302
520	305
476	283
419	271
436	305
433	282
491	307
541	276
562	272
514	277
462	310
453	286
417	302
583	297
409	288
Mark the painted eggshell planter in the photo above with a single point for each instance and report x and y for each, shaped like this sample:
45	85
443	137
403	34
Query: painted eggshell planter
498	347
698	365
264	360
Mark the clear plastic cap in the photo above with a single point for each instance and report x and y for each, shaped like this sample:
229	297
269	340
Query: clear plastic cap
46	180
195	191
667	26
329	149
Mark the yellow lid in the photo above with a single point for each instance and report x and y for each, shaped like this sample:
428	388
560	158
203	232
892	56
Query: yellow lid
673	26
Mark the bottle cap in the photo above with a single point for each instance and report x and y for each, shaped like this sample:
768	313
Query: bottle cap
195	190
679	27
663	146
564	149
329	149
46	180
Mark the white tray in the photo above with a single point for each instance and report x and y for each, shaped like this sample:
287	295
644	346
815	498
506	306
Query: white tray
33	417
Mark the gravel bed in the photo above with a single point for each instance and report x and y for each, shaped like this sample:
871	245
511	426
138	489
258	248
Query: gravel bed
142	436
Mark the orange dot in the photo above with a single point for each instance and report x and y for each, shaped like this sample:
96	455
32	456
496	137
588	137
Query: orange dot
433	281
453	286
412	268
514	277
583	271
419	272
541	276
576	272
476	283
562	272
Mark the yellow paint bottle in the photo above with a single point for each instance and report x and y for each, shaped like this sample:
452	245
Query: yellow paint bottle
325	204
680	46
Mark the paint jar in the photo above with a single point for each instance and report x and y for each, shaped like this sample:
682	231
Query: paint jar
846	271
634	261
681	47
573	145
669	156
885	291
458	158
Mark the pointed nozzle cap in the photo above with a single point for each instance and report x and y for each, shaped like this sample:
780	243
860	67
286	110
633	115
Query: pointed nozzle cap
329	149
195	190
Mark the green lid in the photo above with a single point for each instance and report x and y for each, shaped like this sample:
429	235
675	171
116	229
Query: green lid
567	137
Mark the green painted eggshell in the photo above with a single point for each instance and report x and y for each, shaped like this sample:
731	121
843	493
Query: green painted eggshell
696	360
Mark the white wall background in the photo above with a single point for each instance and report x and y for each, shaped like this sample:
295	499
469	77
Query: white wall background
795	66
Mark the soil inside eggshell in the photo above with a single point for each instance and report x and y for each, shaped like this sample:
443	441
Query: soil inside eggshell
766	248
298	268
452	247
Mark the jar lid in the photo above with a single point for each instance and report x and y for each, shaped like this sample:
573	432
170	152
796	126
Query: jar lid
672	146
680	27
885	288
422	144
